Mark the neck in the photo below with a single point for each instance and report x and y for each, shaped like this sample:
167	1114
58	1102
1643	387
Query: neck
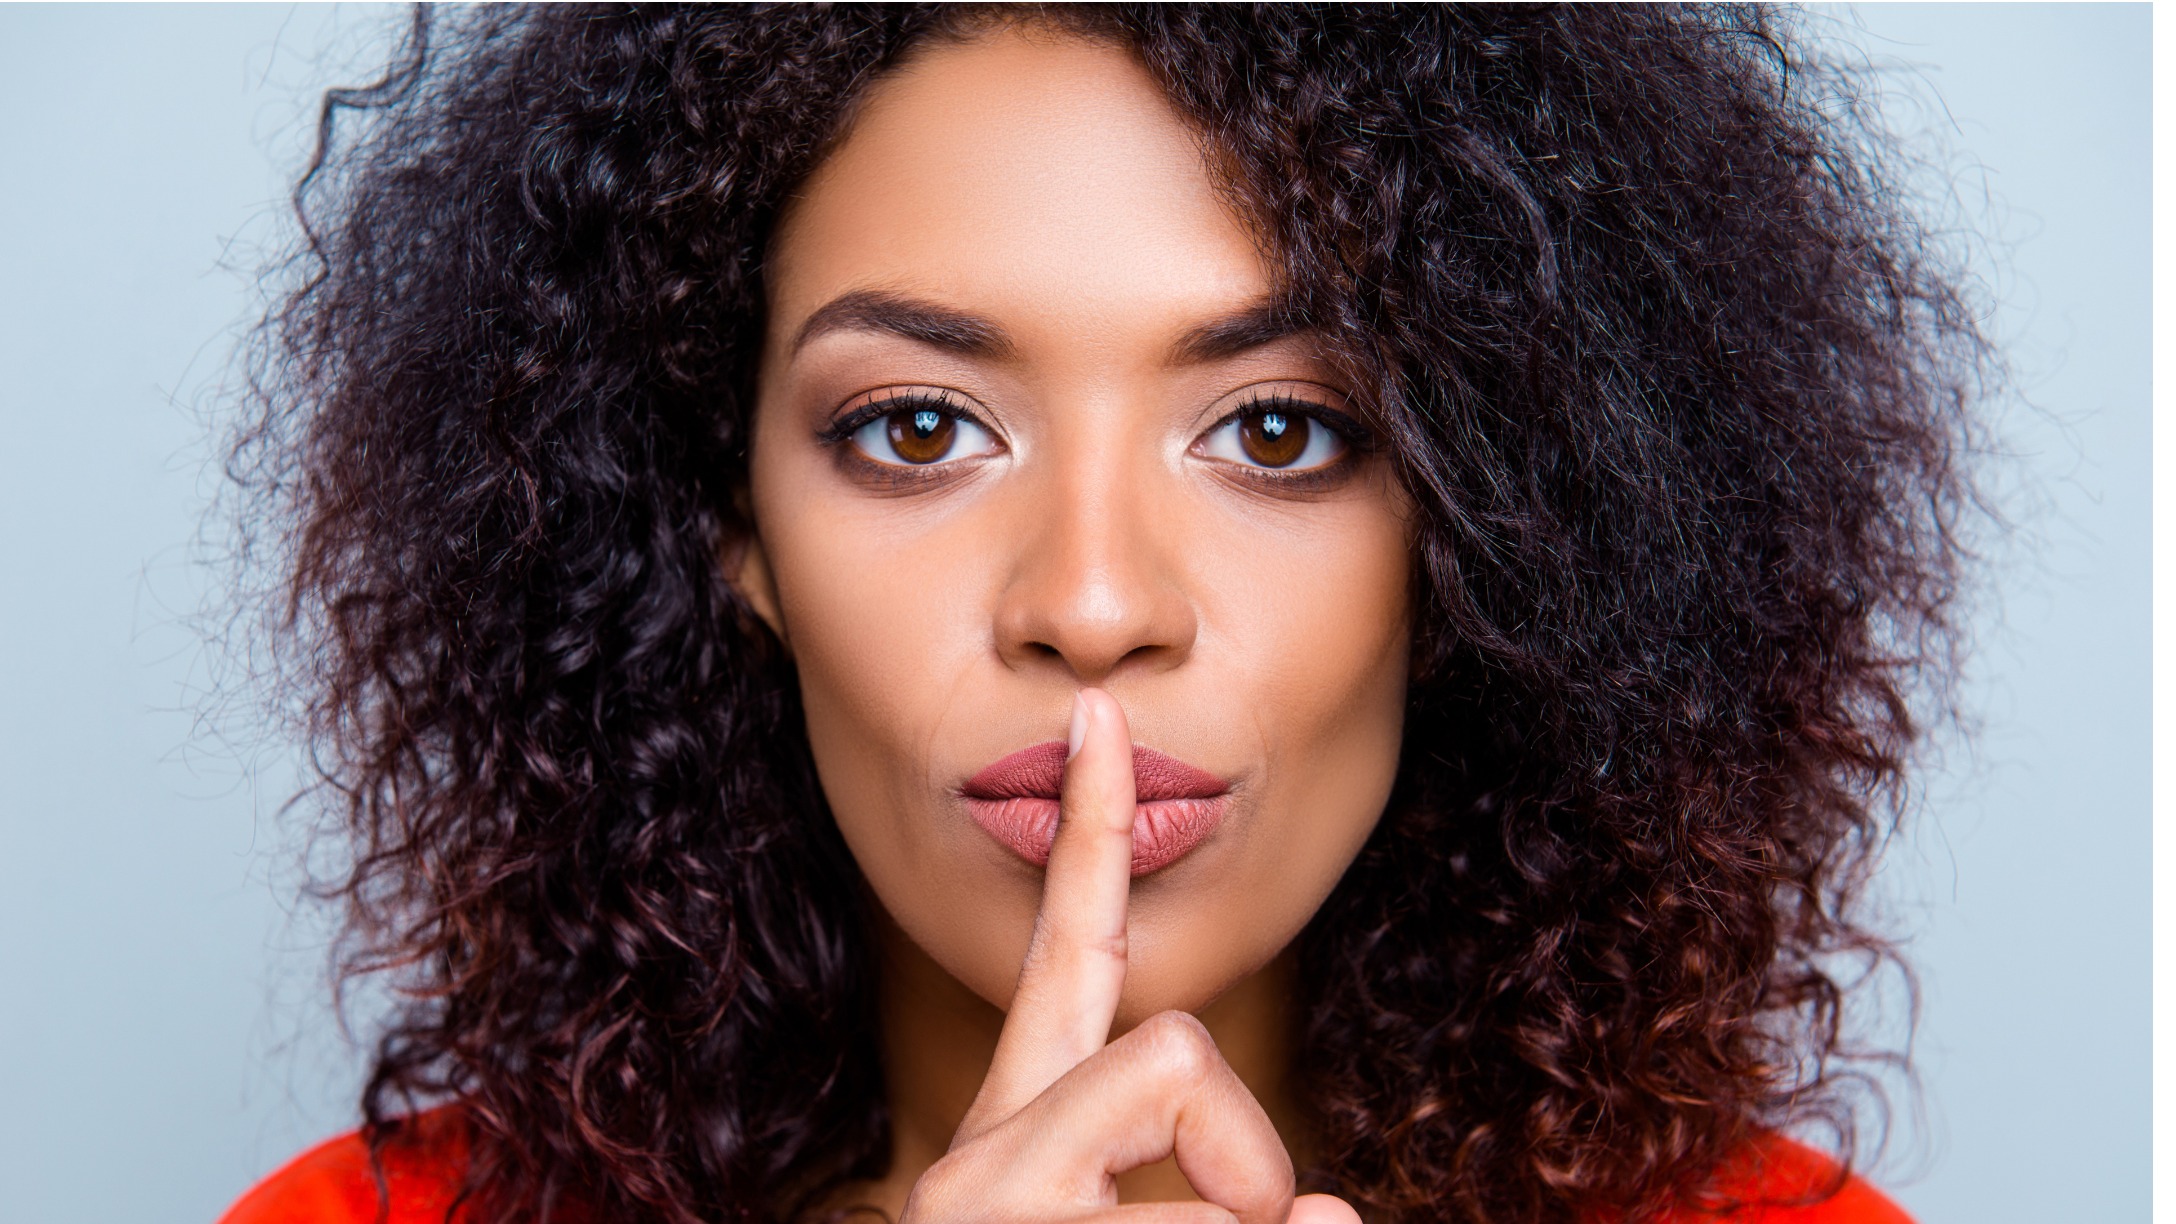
938	1036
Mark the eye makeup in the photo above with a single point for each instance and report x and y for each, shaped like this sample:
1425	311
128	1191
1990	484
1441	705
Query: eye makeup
922	426
915	403
1284	444
1276	431
901	438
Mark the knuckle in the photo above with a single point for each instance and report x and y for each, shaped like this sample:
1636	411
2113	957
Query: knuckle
984	1182
940	1194
1178	1046
1053	948
1105	947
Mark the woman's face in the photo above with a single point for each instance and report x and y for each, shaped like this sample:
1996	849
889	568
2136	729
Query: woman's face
1025	425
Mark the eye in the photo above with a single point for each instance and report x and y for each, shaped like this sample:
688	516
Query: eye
915	430
1278	434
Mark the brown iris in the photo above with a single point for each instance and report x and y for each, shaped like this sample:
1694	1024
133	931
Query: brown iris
1273	439
920	435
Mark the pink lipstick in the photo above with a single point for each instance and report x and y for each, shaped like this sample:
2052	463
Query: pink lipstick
1176	806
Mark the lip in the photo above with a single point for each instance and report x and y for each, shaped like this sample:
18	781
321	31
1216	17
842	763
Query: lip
1176	806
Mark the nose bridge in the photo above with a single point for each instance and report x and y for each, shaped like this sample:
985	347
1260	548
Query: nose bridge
1095	586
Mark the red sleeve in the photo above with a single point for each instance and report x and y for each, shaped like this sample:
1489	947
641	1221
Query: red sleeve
1782	1182
332	1182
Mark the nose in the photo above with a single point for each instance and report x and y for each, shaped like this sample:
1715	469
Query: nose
1098	584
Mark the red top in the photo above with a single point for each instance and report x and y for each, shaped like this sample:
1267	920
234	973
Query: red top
331	1184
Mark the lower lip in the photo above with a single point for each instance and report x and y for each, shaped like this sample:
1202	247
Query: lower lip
1164	830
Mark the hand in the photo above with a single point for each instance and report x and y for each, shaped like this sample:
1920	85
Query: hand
1061	1113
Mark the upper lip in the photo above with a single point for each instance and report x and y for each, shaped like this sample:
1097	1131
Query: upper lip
1036	772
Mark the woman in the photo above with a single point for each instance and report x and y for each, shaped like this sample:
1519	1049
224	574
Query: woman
1014	613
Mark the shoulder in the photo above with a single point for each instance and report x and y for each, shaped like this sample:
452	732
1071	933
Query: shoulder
333	1183
1778	1181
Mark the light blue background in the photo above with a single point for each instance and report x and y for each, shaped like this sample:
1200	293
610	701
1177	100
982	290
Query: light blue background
163	1039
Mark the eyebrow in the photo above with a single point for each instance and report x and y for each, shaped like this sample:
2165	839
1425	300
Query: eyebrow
877	310
1251	327
971	335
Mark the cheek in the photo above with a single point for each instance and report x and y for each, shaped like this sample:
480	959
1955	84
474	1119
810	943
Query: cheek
1338	702
882	643
1313	641
1316	631
891	641
884	603
1323	639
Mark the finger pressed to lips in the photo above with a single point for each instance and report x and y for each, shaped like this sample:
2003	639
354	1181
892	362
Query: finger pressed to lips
1016	800
1075	968
1062	1099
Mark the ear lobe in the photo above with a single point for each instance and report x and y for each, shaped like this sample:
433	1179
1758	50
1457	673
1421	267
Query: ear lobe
748	571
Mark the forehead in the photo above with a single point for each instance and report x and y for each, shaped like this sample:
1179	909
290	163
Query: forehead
1021	174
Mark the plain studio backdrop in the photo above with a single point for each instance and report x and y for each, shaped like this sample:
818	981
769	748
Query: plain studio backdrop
164	1034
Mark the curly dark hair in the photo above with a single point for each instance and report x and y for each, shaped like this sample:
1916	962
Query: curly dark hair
1680	386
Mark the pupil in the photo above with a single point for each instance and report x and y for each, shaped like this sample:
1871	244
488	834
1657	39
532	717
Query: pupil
1273	439
920	435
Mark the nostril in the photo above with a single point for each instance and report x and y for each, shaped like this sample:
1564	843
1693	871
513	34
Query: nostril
1092	603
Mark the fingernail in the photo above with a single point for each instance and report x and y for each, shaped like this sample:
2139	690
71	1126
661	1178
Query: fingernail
1078	732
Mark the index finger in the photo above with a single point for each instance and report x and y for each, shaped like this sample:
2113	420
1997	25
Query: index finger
1076	963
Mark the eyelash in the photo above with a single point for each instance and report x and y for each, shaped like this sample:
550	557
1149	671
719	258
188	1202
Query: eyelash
1358	439
846	426
892	477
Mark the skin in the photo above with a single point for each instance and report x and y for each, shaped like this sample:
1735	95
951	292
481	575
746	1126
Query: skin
1031	231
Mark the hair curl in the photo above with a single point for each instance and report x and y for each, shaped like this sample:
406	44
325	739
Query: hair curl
1678	384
